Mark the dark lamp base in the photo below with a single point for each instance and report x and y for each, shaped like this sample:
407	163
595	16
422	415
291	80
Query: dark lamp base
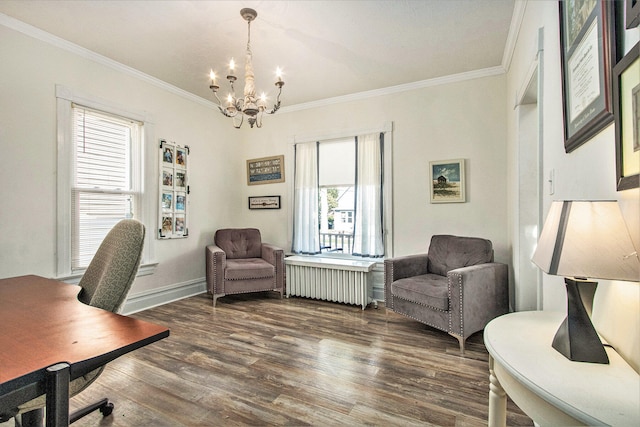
576	338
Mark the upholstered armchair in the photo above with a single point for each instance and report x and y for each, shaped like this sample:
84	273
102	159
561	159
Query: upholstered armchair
239	262
455	287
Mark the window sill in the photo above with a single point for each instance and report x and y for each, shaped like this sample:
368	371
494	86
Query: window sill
74	278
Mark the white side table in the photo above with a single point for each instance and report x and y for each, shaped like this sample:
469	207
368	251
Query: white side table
549	388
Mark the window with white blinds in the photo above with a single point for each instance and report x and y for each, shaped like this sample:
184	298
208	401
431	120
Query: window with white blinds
106	178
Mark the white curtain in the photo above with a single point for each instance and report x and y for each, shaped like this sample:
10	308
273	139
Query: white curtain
306	237
368	239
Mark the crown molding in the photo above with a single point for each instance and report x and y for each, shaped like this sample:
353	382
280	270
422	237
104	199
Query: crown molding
453	78
58	42
514	31
46	37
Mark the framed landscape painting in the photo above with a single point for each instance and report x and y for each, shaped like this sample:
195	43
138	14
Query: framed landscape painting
447	181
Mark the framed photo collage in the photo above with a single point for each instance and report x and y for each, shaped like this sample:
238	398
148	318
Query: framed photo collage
174	191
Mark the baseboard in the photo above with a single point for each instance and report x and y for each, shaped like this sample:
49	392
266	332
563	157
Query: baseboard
160	296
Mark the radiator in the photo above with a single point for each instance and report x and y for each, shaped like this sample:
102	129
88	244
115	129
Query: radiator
330	279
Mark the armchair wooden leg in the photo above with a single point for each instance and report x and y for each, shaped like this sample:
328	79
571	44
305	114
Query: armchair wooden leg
215	298
460	341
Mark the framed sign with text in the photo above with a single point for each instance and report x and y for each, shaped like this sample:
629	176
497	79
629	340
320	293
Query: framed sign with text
264	202
266	170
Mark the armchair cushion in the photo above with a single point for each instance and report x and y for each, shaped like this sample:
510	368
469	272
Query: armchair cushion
248	268
427	289
239	243
450	252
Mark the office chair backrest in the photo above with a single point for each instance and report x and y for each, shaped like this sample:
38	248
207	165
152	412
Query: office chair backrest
110	274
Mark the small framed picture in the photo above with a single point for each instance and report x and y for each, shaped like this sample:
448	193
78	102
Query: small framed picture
167	178
179	225
167	153
181	157
264	202
181	199
447	181
180	179
167	225
167	201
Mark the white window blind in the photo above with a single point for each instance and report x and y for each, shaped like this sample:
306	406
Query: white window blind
106	178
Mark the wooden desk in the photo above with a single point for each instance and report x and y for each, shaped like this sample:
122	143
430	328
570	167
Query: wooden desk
549	388
44	325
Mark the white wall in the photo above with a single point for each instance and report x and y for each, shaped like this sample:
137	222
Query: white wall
30	70
455	120
586	173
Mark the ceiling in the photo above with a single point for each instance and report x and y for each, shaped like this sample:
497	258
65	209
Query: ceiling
325	48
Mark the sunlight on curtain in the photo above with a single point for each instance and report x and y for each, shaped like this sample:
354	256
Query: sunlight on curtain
368	222
306	238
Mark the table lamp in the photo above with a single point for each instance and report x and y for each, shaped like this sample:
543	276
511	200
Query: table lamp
580	240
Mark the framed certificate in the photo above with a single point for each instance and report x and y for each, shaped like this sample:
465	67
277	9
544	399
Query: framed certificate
587	39
626	107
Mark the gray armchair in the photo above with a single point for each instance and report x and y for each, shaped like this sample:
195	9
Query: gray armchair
456	287
238	262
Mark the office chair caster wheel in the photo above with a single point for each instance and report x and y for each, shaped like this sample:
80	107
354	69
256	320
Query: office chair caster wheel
106	409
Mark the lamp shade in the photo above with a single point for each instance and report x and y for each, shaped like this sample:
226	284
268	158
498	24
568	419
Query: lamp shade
587	239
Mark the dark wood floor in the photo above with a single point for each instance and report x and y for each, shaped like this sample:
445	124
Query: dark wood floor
259	360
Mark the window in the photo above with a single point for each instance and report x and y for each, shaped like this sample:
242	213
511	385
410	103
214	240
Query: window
336	181
105	180
338	190
100	178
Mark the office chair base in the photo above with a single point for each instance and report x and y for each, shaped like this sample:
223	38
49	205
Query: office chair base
105	407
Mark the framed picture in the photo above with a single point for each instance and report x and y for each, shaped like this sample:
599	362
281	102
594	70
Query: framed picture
174	191
447	181
587	48
626	108
632	13
264	202
266	170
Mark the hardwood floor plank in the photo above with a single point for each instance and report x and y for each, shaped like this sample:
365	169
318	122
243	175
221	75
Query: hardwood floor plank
256	359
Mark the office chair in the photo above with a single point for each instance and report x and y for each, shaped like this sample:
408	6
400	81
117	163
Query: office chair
105	284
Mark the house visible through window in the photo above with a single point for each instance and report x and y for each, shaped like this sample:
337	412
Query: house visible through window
336	181
106	178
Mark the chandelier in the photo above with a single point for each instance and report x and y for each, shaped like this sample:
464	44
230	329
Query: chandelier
248	105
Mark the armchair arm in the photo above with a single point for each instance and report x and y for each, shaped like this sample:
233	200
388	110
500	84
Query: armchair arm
401	268
275	256
477	294
216	261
